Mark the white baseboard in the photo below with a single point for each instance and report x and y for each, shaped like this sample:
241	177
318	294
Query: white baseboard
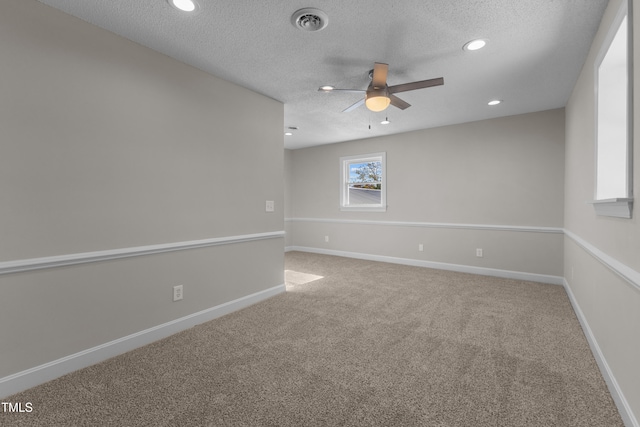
518	275
40	374
624	409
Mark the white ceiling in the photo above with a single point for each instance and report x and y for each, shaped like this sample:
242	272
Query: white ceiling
535	52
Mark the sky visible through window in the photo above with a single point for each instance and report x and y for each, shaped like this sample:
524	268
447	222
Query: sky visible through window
354	176
612	148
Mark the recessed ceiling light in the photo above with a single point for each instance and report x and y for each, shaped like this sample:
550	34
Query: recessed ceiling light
288	134
184	5
326	88
475	44
494	102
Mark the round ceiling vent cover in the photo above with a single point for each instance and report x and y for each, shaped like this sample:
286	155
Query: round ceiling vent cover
309	19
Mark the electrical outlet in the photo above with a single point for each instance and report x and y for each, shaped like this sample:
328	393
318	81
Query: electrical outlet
420	247
177	293
479	252
270	206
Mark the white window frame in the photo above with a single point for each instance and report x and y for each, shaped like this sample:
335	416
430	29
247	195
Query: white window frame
344	182
621	205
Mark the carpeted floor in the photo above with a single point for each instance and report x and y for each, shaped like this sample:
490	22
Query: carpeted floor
352	343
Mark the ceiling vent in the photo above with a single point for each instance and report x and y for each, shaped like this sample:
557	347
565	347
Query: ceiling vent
309	19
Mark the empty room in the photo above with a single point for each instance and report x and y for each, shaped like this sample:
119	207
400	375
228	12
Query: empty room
409	213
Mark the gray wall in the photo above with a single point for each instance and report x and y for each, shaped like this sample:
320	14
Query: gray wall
600	250
106	145
288	179
453	189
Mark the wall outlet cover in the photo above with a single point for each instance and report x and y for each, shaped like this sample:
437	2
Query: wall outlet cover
177	293
270	206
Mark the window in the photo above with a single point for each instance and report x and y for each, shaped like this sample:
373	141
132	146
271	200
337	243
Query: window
613	120
363	183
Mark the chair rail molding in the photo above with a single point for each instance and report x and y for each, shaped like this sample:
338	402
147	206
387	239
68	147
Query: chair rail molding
490	227
17	266
627	273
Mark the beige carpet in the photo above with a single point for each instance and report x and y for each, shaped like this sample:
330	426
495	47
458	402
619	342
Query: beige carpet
352	343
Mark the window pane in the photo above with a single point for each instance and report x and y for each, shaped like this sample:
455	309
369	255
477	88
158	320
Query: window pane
364	196
367	172
612	159
363	182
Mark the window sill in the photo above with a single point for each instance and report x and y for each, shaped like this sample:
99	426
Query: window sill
363	208
619	207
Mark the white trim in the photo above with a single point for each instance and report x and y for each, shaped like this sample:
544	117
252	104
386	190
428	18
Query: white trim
40	374
616	393
363	208
627	273
489	227
618	208
344	179
625	10
16	266
483	271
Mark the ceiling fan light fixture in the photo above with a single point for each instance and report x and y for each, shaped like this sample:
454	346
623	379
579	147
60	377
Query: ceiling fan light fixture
377	103
385	121
475	44
377	99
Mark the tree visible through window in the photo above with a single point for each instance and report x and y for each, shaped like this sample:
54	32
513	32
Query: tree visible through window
363	182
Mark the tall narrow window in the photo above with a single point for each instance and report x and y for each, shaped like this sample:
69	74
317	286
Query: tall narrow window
614	124
363	182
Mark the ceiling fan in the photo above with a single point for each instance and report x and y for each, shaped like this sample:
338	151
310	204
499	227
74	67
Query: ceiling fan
378	96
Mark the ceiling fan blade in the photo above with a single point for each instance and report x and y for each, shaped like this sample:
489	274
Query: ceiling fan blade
342	90
416	85
397	102
354	106
379	78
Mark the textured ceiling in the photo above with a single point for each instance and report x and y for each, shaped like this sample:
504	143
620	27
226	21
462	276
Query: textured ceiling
535	52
